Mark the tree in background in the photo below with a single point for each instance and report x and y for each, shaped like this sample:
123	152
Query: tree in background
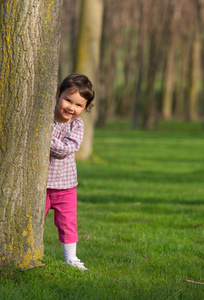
29	65
196	69
69	33
151	60
87	61
164	60
170	70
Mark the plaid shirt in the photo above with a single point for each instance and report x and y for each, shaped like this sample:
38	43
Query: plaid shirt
66	140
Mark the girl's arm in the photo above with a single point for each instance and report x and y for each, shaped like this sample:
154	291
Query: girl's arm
70	144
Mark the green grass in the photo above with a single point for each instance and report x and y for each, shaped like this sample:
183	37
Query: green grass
140	221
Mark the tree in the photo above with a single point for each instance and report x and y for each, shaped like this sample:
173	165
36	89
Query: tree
196	69
28	80
180	101
87	61
195	81
156	37
140	70
69	32
151	62
167	103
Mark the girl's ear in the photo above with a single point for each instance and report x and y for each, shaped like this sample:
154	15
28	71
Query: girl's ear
57	96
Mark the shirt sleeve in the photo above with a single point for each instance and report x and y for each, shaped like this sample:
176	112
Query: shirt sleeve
70	143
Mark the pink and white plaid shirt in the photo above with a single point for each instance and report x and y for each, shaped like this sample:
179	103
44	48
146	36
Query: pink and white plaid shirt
66	140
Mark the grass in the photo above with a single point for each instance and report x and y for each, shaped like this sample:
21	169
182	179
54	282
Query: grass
140	221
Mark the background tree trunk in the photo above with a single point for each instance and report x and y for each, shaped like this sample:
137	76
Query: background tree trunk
28	82
164	22
195	78
169	83
151	74
87	61
180	100
69	32
140	69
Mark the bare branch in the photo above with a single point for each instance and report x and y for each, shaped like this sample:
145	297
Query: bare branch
191	281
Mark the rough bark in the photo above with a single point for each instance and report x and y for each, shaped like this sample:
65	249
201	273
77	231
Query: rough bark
87	61
28	81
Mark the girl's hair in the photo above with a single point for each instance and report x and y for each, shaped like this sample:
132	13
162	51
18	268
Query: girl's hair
79	83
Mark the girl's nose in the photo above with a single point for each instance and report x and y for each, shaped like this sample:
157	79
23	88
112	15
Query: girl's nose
71	106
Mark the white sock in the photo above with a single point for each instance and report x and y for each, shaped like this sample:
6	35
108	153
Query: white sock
69	250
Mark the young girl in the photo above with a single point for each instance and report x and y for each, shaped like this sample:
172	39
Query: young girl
75	94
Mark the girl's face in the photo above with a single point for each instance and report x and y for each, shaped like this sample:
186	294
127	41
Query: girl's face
69	106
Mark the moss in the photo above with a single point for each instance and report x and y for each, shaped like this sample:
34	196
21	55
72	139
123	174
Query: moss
28	80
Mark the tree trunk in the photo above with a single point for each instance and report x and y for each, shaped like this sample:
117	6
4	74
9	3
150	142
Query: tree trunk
195	78
69	30
151	74
87	62
140	69
28	81
180	100
169	82
102	89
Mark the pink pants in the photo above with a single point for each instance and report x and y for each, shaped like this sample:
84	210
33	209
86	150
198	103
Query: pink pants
64	203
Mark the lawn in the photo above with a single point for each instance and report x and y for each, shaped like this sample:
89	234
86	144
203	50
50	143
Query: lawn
140	221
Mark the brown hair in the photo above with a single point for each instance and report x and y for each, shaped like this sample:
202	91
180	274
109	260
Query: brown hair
81	84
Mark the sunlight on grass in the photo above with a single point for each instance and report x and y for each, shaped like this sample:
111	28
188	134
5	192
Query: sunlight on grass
140	221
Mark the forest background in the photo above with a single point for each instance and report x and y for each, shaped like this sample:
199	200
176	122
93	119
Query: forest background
152	58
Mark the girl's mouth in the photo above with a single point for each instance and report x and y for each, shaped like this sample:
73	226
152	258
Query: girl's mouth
68	112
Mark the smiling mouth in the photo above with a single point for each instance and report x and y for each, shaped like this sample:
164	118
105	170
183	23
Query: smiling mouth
68	112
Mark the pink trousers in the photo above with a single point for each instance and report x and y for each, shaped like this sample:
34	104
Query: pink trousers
64	203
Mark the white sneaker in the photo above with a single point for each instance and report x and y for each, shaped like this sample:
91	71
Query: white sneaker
75	262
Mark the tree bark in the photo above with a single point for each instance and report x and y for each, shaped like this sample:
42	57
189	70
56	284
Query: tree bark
87	62
28	82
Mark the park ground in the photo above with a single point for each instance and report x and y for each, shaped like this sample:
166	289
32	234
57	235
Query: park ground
140	221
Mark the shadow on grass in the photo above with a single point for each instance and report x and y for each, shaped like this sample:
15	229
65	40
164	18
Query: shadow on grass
118	198
116	175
